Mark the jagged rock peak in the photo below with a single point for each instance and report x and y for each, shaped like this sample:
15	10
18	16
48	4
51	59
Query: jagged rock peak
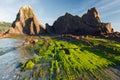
26	22
27	11
94	9
68	14
88	24
92	17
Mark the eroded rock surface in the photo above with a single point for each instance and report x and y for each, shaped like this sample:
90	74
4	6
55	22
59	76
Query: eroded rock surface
26	23
89	24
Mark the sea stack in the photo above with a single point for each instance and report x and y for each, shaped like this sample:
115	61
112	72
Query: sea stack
26	23
89	24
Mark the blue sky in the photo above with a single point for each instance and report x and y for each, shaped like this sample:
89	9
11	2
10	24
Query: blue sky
48	11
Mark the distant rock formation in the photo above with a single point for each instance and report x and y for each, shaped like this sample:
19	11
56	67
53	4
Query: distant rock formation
88	24
92	17
26	23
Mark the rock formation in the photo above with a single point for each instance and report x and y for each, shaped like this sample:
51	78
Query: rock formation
26	23
88	24
92	17
30	41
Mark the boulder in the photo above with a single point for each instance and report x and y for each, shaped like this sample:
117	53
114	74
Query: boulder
106	28
113	36
30	41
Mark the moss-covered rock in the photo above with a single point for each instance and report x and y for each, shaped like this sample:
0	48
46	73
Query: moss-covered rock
29	65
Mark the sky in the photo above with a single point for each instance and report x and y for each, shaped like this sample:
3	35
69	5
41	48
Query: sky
48	11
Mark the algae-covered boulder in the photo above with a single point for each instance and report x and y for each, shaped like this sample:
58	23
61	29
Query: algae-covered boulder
29	65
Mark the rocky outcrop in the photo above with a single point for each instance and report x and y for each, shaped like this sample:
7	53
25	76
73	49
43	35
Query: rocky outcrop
4	35
92	17
26	23
70	24
88	24
113	36
30	41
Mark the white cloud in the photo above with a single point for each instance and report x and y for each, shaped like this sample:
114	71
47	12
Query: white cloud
111	13
110	4
102	3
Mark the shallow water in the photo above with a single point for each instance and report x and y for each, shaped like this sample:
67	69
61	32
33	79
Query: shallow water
10	57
